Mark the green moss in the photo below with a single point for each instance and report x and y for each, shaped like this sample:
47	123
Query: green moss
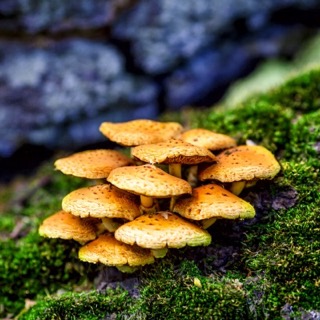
30	267
279	255
304	140
169	291
287	255
300	93
80	306
252	121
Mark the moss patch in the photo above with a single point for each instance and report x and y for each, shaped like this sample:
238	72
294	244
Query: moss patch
273	263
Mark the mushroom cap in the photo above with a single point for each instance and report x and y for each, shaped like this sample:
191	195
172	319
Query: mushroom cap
92	164
172	151
208	139
160	230
140	131
212	201
148	180
101	201
242	163
109	251
66	226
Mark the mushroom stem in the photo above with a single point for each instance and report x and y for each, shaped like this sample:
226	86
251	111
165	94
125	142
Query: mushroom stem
175	169
237	187
250	184
109	224
146	202
193	175
159	253
208	222
172	202
148	205
127	269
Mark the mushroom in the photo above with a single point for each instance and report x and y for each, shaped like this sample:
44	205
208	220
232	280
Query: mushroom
148	182
66	226
140	131
174	153
92	164
111	252
242	165
211	140
102	201
162	230
208	139
210	202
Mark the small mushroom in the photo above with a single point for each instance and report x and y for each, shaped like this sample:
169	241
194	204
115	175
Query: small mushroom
140	131
102	201
211	140
66	226
208	139
92	164
210	202
162	230
148	182
111	252
242	165
174	153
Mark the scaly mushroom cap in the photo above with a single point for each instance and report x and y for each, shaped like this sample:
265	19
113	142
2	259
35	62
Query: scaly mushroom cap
172	151
101	201
208	139
111	252
148	180
212	201
161	230
92	164
141	131
66	226
242	163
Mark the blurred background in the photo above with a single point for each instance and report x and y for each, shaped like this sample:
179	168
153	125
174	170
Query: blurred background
67	66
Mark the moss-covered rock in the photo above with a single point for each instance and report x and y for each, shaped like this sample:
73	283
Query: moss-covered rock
272	262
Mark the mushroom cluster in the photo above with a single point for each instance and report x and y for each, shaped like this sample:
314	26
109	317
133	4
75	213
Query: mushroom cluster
173	186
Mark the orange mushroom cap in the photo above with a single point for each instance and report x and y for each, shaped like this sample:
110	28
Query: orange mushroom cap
161	230
92	164
66	226
212	201
140	131
208	139
100	201
242	163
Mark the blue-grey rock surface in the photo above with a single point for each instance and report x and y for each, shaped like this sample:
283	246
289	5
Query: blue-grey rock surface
56	95
164	33
66	66
33	16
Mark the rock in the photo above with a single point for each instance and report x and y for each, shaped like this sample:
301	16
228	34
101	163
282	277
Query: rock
33	16
192	50
58	94
165	33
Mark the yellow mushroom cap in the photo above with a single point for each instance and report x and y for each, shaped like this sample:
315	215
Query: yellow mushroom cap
140	131
172	151
101	201
212	201
148	180
66	226
208	139
242	163
92	164
109	251
160	230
